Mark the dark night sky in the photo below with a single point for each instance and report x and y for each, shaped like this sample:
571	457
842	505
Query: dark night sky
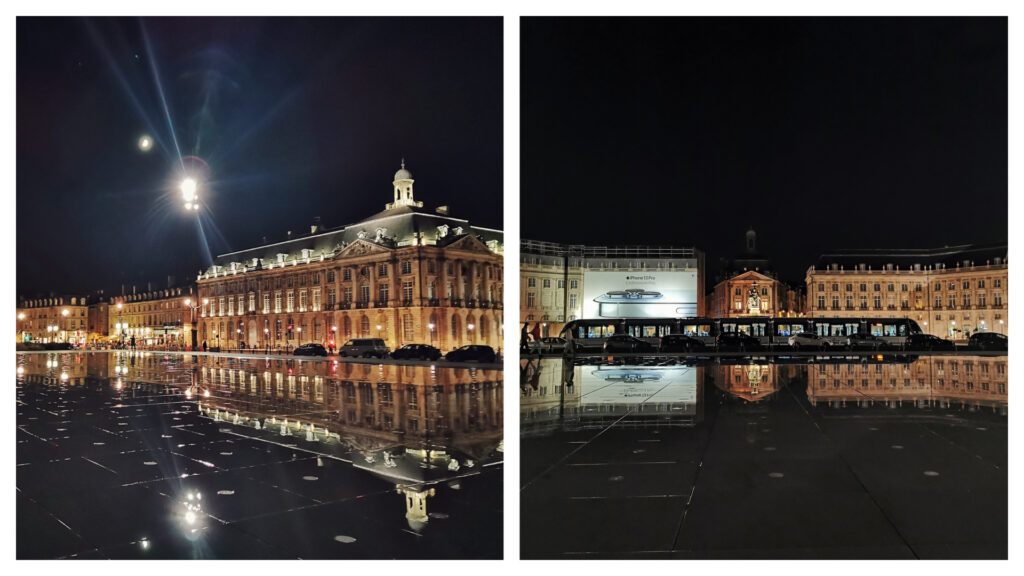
820	133
295	118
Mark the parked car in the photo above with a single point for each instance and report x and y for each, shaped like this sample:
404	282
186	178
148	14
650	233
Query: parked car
416	352
626	343
989	341
866	341
680	343
549	344
470	353
311	349
928	342
737	341
364	348
810	341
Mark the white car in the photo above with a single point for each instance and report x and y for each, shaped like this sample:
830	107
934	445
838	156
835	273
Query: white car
809	340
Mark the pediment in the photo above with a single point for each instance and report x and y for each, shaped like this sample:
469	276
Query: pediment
469	243
752	275
362	247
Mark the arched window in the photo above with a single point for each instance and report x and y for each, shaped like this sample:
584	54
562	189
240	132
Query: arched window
347	327
483	329
471	328
455	330
365	326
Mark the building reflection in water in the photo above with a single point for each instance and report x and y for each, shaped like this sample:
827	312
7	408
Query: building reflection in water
557	396
417	426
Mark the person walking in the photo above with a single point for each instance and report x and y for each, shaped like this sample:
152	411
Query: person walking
524	338
204	345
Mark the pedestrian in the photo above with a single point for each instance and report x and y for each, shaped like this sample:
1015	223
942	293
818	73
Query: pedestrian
524	337
204	345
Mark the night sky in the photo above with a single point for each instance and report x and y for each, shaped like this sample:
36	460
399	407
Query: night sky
819	133
291	118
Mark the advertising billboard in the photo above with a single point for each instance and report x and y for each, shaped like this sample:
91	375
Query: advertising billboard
638	385
655	294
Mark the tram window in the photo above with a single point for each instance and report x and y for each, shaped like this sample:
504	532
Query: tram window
852	328
744	329
890	330
757	329
836	330
876	329
903	329
649	331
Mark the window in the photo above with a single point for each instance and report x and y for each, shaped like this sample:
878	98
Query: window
291	301
302	301
997	282
967	285
878	287
572	301
737	292
938	285
330	276
981	299
981	283
331	297
891	287
821	286
531	299
252	302
364	326
863	287
878	301
821	303
406	267
277	302
997	299
561	284
547	283
408	328
430	266
573	284
316	278
364	293
346	275
849	287
903	287
407	291
382	270
316	299
952	285
383	292
835	287
531	282
347	292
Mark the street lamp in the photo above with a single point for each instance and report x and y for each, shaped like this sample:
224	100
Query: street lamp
120	325
218	340
470	326
192	321
189	195
300	335
431	326
266	338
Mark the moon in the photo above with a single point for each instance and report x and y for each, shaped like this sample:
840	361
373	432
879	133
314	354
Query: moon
145	143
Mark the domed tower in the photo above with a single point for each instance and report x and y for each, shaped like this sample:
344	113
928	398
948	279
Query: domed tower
403	189
751	241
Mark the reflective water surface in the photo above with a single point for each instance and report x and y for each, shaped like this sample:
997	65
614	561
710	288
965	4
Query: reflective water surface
156	455
820	457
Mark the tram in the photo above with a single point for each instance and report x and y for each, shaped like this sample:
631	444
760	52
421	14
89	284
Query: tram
590	334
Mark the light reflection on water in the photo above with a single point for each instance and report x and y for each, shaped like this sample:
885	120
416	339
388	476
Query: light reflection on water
670	392
420	427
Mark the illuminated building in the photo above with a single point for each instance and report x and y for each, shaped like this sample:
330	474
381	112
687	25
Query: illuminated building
747	286
951	292
406	274
52	319
155	317
560	282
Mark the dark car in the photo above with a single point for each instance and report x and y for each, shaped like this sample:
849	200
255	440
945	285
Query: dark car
928	342
626	343
416	352
989	341
737	341
680	343
866	341
470	353
310	349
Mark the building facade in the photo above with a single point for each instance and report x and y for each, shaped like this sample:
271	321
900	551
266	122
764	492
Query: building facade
406	274
53	319
747	286
554	279
951	292
159	318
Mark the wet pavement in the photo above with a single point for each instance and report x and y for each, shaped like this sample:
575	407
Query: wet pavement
820	457
157	455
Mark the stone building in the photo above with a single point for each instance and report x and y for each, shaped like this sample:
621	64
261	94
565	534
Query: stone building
553	278
159	318
53	319
747	285
406	274
951	292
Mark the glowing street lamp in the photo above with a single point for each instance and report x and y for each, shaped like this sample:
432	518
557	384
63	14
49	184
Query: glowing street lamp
145	143
189	193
